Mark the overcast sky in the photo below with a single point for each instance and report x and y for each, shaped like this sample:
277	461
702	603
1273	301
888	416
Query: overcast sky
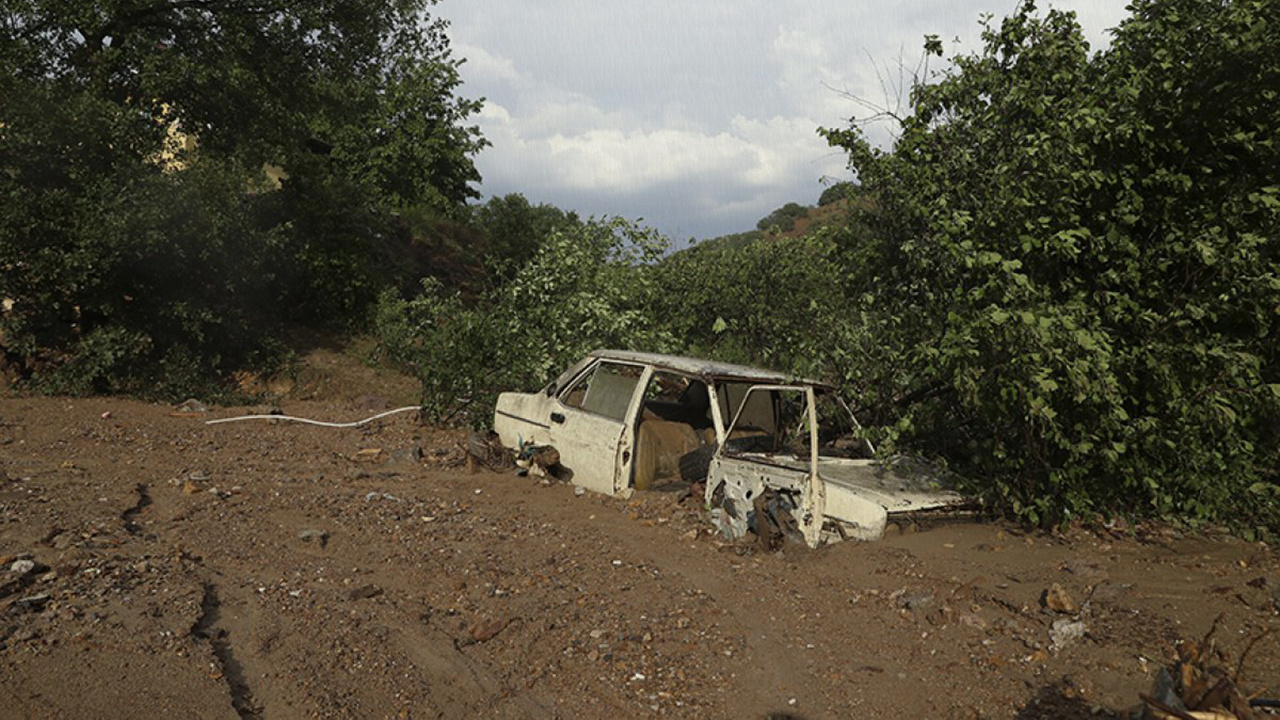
698	116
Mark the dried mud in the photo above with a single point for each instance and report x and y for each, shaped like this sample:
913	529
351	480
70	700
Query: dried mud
276	570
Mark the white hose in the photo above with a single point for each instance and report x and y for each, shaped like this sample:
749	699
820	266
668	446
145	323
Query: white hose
358	423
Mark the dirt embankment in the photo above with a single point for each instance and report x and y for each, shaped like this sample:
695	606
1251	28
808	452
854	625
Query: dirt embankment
156	566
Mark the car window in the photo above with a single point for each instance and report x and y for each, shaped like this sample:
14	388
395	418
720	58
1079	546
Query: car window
787	433
758	412
838	433
605	390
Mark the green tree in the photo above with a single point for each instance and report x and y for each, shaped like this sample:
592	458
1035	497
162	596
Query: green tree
1073	262
589	285
514	229
123	247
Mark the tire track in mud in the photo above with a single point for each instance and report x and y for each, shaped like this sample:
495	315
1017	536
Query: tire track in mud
207	627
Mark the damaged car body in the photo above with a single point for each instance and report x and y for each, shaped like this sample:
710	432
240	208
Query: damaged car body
780	457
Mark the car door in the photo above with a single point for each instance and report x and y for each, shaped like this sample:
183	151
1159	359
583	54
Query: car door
771	446
590	427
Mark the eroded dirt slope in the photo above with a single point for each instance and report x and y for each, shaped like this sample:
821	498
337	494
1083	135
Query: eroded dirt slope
156	566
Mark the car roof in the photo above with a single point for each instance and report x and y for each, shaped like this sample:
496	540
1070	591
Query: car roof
704	368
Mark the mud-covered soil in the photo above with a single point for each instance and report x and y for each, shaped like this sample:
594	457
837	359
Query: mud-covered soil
156	566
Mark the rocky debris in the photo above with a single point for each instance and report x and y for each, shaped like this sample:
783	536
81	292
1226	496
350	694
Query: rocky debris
486	450
539	461
364	592
410	456
1271	587
912	600
320	537
1089	571
1057	599
1201	683
1065	631
191	405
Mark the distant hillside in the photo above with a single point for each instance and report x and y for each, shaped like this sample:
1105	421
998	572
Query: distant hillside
789	221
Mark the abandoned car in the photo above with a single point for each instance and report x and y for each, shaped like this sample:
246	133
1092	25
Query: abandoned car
779	456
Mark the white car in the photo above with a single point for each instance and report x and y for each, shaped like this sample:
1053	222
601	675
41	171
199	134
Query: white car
780	456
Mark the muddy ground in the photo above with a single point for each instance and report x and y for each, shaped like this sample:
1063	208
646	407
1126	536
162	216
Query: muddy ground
278	570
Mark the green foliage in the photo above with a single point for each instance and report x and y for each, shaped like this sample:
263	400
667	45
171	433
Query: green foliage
836	192
139	264
589	285
1073	265
772	302
514	230
783	219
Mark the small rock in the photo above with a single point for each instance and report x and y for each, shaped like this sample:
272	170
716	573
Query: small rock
33	602
1065	631
1087	570
973	620
911	600
1058	600
406	456
321	537
364	592
192	405
579	491
22	566
486	631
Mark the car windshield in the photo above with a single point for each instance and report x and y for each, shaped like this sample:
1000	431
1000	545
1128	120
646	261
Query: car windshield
775	421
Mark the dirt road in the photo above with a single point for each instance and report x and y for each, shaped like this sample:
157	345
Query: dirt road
156	566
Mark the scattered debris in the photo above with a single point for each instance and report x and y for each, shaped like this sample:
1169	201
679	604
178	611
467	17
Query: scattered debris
1200	684
1064	632
485	449
486	631
363	592
1059	600
321	537
406	456
538	460
909	600
191	405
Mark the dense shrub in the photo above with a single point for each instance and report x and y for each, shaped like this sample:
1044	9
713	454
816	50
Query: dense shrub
1074	263
587	286
142	247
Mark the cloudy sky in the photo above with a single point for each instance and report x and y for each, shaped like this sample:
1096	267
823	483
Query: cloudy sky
698	116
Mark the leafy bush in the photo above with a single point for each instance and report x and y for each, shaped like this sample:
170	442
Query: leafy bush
140	260
769	302
589	285
1073	264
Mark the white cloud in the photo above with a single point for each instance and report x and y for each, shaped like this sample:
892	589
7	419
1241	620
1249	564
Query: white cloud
702	117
